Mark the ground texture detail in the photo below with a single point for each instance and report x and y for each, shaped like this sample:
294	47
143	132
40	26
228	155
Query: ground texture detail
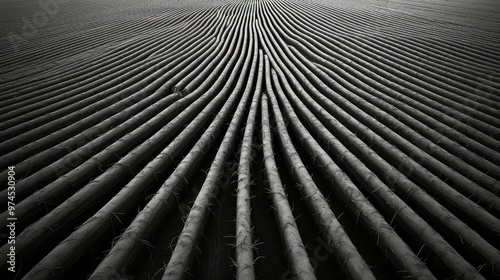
263	139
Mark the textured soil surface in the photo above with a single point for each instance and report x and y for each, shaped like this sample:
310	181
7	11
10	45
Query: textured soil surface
258	139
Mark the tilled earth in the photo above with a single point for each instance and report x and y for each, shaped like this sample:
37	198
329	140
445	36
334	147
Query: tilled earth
262	139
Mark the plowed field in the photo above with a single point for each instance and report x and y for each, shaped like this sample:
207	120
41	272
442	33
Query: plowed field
259	139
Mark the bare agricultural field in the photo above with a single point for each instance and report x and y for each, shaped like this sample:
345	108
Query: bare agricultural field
258	139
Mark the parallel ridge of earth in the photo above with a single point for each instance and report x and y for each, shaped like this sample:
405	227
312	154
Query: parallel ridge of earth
262	139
